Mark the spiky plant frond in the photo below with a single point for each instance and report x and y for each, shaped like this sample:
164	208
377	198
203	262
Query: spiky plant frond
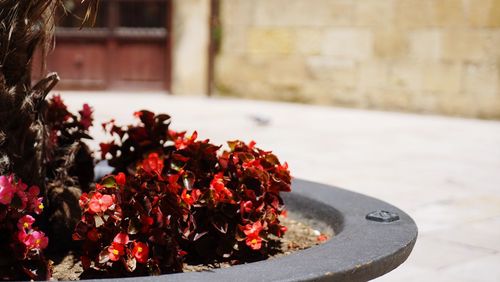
25	25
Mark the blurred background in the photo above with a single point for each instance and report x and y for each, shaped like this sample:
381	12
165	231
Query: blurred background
397	99
430	56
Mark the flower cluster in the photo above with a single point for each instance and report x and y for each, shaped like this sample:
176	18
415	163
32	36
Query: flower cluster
18	236
206	203
126	226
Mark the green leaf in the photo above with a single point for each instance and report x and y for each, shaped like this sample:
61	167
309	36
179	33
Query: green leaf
109	182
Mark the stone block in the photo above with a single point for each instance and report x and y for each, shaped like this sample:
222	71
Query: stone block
341	13
237	12
234	39
303	13
460	104
442	77
271	40
426	102
405	75
425	44
430	13
483	13
390	43
489	107
373	75
337	71
308	41
371	13
289	71
414	13
483	79
350	43
389	99
449	13
471	45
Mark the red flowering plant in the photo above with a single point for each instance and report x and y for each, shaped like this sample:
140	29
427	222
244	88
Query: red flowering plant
65	143
128	226
18	235
228	202
133	142
239	202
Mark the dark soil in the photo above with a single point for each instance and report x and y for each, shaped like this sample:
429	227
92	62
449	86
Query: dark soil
301	235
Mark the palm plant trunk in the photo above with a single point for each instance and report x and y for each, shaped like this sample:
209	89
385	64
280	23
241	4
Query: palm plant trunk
24	25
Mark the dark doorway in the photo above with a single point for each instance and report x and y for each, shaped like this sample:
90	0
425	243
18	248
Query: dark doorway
129	46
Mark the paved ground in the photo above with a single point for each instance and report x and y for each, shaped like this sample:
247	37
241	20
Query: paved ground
445	172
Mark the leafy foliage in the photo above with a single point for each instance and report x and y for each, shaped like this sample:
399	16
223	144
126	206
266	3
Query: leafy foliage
128	227
68	159
176	197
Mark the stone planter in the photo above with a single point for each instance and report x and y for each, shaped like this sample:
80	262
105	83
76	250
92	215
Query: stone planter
372	238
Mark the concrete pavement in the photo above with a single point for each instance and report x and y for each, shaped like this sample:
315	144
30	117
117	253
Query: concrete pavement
445	172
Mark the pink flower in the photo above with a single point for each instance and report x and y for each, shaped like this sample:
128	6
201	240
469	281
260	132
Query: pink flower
40	241
25	238
38	205
33	240
6	189
25	222
100	203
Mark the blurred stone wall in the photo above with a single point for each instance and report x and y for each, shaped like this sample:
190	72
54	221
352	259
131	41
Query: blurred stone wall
434	56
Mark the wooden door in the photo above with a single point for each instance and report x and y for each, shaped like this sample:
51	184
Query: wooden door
128	48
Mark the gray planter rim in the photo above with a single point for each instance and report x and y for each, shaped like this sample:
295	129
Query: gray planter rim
372	238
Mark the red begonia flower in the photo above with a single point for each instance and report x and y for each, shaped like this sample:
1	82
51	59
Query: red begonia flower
140	252
25	222
153	164
100	203
116	251
121	179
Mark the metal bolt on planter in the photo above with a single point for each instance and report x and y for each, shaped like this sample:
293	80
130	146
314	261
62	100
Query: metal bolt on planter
382	216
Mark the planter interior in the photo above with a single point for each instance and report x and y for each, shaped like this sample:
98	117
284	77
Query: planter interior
366	244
